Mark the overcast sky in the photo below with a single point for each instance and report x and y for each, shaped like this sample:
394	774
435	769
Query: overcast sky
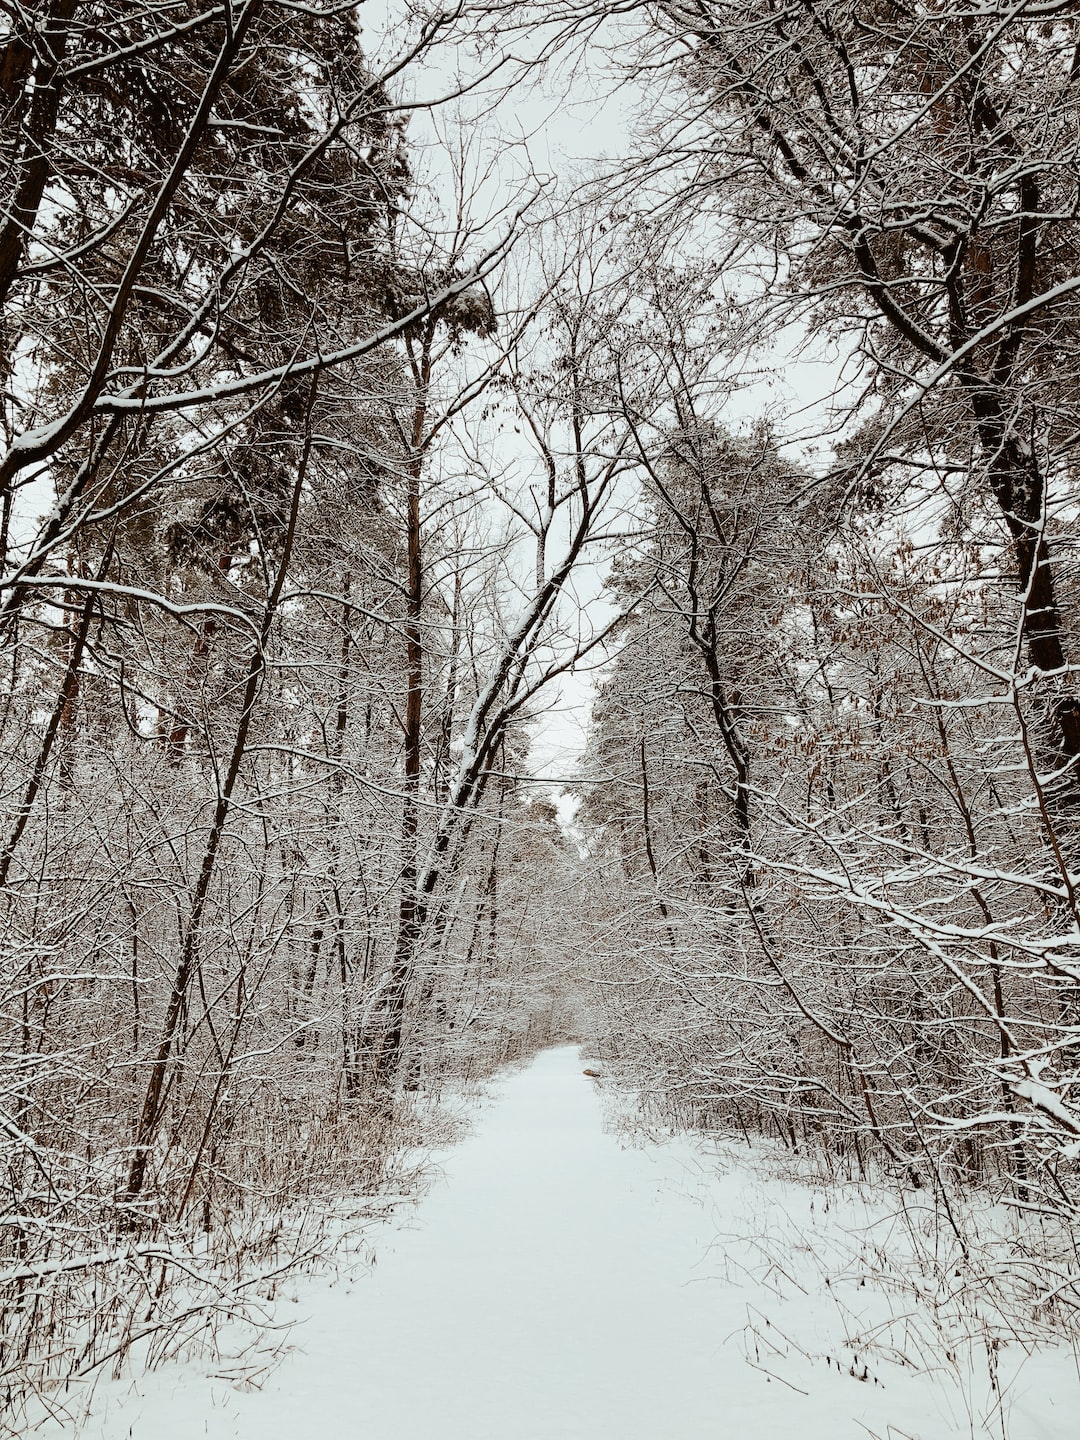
556	125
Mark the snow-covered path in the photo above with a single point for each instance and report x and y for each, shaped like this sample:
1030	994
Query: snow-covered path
558	1285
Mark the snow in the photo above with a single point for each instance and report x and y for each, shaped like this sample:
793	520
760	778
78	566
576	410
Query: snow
560	1282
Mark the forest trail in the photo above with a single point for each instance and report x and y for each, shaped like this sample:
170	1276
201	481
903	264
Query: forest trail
559	1283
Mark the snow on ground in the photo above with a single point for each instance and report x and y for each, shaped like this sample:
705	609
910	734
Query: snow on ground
560	1283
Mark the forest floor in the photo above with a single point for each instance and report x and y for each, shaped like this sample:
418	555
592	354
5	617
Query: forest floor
567	1280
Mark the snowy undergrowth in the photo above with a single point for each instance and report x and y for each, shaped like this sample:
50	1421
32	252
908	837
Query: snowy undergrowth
964	1304
876	1289
225	1302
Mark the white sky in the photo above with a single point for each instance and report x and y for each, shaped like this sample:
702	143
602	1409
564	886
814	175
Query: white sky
556	124
552	125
